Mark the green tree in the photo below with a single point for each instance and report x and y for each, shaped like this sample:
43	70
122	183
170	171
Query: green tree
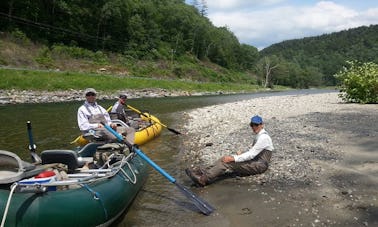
359	82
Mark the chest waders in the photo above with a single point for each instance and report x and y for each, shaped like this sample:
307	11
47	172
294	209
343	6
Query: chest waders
99	118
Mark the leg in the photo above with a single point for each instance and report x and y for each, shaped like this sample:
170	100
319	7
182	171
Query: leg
203	177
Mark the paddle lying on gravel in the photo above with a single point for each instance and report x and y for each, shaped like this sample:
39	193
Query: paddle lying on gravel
36	159
139	112
203	206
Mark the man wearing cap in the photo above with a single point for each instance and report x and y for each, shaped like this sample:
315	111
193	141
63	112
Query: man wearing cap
118	109
90	115
253	161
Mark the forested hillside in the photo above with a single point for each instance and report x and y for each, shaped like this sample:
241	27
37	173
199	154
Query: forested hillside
166	39
148	29
322	56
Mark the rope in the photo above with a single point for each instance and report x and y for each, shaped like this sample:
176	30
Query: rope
127	176
96	196
13	187
106	164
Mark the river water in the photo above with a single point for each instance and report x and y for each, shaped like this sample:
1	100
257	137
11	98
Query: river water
159	203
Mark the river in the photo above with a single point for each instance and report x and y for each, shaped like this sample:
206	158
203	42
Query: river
159	203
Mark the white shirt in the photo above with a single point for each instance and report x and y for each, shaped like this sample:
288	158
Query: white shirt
264	142
83	115
118	108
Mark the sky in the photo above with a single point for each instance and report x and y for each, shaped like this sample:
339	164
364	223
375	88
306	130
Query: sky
261	23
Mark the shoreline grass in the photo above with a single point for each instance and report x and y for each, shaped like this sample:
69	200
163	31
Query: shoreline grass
26	79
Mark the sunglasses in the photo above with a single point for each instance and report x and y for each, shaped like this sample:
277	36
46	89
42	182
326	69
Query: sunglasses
90	94
252	124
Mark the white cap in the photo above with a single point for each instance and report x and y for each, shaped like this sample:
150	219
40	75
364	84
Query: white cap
88	90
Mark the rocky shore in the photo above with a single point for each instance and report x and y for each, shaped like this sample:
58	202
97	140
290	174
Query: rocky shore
28	96
326	155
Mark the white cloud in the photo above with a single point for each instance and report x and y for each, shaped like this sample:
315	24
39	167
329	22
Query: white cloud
238	4
265	26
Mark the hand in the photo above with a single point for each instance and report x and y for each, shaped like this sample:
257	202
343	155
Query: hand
114	126
227	159
239	152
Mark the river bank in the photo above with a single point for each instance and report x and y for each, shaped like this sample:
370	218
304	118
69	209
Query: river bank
31	96
324	168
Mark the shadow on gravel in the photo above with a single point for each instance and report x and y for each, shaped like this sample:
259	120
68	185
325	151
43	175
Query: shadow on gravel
360	128
355	186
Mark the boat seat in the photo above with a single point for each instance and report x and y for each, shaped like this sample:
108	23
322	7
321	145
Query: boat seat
89	149
13	169
67	157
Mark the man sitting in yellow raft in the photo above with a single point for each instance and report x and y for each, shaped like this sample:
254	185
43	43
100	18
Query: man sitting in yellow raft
118	109
90	117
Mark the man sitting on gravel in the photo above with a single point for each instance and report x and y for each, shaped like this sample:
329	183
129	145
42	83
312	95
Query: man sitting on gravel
254	161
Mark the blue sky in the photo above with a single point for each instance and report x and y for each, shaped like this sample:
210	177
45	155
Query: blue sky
261	23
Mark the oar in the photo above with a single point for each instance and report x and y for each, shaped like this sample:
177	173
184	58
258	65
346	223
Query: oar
203	206
32	146
139	112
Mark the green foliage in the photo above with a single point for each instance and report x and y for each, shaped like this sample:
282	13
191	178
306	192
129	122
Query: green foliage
144	30
19	37
359	82
327	53
178	34
51	81
44	58
79	53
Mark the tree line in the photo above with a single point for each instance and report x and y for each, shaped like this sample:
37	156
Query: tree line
149	29
315	60
170	30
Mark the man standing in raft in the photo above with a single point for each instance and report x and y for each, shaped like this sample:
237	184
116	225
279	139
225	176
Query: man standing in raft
254	161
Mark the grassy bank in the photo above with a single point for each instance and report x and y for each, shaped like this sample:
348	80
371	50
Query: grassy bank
60	67
51	81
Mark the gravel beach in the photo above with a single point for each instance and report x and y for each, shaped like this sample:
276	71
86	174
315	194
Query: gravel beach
324	168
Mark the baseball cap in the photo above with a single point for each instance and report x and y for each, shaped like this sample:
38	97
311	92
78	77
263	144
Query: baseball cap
89	90
256	120
123	96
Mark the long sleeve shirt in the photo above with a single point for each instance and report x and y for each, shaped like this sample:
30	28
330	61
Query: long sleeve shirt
86	112
263	142
118	108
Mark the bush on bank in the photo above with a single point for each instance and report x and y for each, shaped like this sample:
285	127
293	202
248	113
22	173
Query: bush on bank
359	82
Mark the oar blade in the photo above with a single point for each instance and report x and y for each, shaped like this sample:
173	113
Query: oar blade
139	112
202	205
174	131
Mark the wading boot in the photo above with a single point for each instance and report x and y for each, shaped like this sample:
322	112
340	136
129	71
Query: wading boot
197	177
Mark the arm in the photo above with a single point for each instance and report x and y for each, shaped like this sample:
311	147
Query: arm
106	115
82	120
114	108
261	144
107	118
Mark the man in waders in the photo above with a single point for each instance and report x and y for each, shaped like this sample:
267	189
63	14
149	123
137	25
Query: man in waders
118	109
90	117
254	161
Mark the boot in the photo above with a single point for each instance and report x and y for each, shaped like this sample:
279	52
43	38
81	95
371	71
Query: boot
198	170
203	180
199	179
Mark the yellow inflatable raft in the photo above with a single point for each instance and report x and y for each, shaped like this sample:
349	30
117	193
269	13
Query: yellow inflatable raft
150	129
